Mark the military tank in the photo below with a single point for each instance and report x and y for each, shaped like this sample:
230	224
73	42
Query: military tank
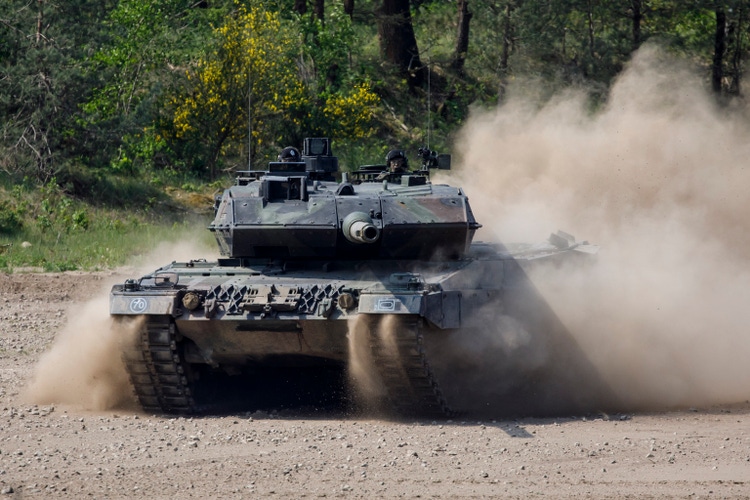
308	259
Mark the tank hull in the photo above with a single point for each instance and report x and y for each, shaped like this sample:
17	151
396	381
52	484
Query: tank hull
235	315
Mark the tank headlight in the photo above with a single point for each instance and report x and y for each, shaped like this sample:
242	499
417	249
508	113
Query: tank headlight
130	285
191	301
346	301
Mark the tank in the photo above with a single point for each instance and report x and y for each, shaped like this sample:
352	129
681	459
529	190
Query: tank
377	269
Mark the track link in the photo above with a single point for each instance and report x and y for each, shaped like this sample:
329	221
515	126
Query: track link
401	361
156	369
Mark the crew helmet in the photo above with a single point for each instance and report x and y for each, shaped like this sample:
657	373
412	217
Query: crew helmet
289	153
395	154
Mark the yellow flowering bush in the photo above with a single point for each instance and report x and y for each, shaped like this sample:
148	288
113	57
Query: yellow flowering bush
257	63
255	54
350	114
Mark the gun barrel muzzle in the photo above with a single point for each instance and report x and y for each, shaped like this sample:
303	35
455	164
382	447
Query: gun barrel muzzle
358	227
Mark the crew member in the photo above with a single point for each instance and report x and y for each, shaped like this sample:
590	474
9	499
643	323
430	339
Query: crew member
396	161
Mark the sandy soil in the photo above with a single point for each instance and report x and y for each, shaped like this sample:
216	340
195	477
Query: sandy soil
67	449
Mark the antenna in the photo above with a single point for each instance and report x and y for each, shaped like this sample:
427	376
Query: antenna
429	93
250	112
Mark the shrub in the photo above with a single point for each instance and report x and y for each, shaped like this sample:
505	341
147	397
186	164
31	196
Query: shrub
10	219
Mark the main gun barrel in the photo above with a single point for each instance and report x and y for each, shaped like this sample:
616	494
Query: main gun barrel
358	227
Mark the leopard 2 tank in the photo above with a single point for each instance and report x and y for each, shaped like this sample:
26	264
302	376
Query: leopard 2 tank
307	261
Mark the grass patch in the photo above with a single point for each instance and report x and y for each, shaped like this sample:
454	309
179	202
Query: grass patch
45	228
103	245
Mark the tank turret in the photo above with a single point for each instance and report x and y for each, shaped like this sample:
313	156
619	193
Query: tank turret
297	210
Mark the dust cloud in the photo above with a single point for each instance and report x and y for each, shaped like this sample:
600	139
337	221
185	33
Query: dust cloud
658	177
363	381
84	366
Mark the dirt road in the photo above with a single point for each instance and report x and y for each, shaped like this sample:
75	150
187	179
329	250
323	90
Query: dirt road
67	448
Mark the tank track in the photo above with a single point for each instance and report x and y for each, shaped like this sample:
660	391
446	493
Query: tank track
405	372
156	369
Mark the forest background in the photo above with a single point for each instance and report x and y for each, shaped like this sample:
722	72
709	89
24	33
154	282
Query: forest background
121	119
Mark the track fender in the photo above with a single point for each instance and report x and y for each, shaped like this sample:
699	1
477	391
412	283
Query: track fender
133	304
443	309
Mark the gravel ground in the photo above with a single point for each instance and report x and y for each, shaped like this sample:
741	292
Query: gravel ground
56	369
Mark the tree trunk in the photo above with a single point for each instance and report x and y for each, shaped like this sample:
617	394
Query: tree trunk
349	8
737	52
398	45
505	52
462	38
300	6
213	158
590	19
39	17
319	9
637	17
720	46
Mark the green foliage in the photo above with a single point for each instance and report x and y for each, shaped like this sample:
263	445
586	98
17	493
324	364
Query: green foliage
255	65
43	70
58	212
56	232
108	244
688	30
10	219
118	99
145	150
142	63
146	34
340	102
327	46
250	65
